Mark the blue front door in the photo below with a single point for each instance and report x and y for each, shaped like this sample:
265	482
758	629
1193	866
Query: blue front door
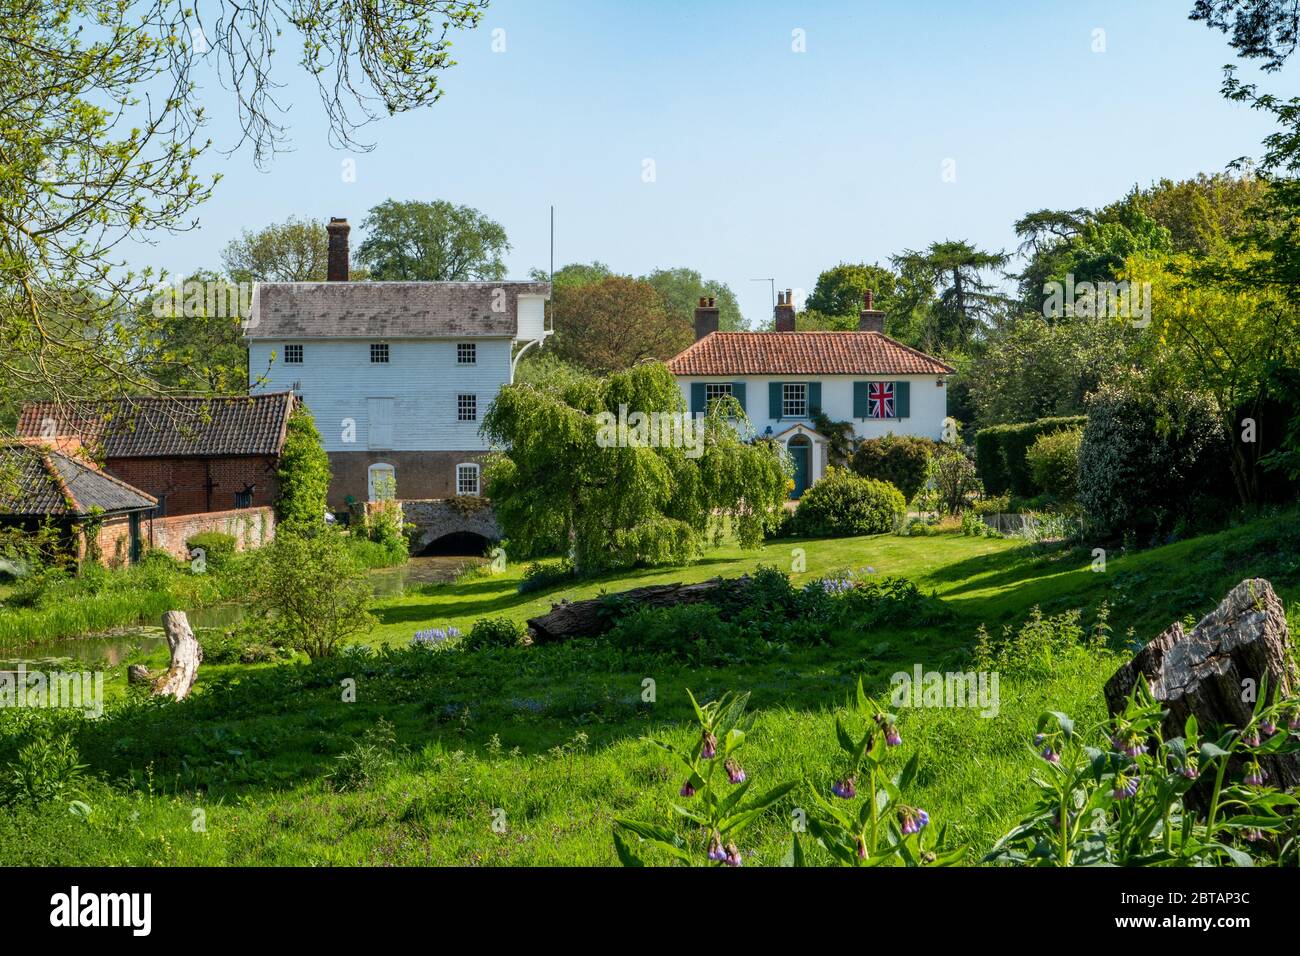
802	455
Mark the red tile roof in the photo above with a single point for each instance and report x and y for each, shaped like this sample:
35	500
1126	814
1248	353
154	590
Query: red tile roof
804	353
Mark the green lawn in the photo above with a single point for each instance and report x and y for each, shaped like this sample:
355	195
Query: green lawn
549	740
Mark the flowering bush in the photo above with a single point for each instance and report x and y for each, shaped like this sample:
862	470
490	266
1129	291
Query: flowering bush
433	636
715	786
861	819
1125	802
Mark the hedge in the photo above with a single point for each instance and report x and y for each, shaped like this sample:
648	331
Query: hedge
1000	453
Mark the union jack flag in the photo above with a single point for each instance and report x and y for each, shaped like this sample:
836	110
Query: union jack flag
880	400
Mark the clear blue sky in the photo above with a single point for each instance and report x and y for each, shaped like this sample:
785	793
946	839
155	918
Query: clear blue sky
768	162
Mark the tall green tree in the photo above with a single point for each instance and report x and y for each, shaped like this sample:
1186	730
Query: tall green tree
303	474
840	289
433	241
567	480
680	290
966	304
296	250
614	323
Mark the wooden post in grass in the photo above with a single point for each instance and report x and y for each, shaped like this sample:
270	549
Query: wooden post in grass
186	657
1217	670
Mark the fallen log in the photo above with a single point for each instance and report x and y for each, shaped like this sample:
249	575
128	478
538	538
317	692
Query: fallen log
187	655
1216	671
590	618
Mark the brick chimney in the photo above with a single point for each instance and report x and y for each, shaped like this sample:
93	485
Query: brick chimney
785	311
706	317
870	319
338	230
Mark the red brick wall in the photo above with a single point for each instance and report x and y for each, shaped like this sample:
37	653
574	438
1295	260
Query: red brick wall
250	527
183	481
113	541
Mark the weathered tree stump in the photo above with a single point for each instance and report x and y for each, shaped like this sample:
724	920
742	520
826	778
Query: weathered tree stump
1217	671
591	618
187	655
138	674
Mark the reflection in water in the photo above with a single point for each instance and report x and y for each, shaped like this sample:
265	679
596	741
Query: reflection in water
112	648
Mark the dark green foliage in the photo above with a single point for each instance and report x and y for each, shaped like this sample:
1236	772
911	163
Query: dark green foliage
493	632
843	503
1000	453
368	761
1053	461
839	435
304	473
217	548
538	576
46	770
1149	460
901	460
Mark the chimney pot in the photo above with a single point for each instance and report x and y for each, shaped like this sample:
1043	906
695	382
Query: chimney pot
785	311
870	319
337	267
706	318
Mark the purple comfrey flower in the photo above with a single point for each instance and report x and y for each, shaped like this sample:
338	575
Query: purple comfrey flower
862	849
735	772
1251	739
1190	770
1125	787
908	822
1050	755
1253	835
845	789
891	736
1268	728
688	789
733	857
716	853
922	819
709	748
1294	722
1255	775
1040	739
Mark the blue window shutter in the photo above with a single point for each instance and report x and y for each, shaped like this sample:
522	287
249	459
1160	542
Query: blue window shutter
814	398
861	406
902	399
697	398
774	394
738	393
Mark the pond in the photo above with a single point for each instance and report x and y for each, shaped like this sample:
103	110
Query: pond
111	648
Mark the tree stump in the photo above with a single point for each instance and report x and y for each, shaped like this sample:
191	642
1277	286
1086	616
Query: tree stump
591	618
1216	671
186	657
138	674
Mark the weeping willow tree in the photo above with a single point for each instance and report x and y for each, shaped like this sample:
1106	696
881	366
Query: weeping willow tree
616	472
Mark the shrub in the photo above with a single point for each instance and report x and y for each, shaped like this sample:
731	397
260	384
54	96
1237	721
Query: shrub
46	770
304	473
843	503
538	576
901	460
694	633
1053	461
952	476
1000	453
493	632
311	591
214	547
368	761
1147	460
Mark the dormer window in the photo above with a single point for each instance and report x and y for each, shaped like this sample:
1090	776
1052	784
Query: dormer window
467	353
293	355
379	353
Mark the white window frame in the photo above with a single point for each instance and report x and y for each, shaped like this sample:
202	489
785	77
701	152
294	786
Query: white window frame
293	357
462	406
716	390
464	349
373	471
794	400
469	467
377	349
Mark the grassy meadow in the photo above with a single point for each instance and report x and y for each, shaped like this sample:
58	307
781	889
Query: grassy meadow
526	755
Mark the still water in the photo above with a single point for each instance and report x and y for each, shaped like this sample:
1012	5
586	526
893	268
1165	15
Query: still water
113	647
